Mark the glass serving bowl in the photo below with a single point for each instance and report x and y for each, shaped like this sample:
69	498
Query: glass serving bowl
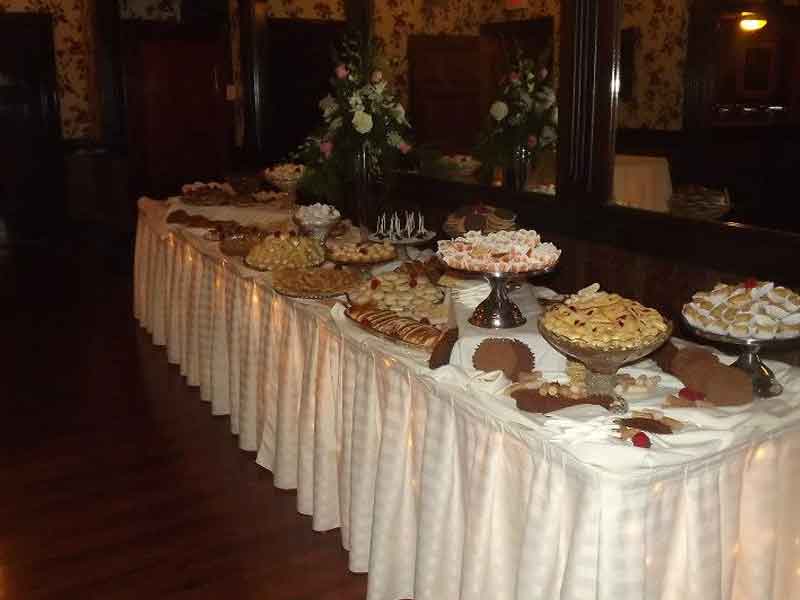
318	231
604	364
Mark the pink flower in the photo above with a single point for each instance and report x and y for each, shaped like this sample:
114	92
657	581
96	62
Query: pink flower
532	141
404	148
326	148
377	77
342	72
513	77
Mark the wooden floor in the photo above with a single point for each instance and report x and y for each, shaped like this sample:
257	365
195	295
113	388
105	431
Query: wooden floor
115	480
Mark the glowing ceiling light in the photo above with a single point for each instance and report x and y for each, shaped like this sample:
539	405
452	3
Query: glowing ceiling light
751	22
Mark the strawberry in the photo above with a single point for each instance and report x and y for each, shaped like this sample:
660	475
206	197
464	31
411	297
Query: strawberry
412	283
640	440
374	283
750	283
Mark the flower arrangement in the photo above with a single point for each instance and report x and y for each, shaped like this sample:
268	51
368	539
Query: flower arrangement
525	115
361	115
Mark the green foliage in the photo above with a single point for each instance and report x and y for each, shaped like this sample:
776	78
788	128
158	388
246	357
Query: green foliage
361	112
524	114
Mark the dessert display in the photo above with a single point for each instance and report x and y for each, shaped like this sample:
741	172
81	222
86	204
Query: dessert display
317	215
407	294
284	175
361	253
757	310
314	282
410	229
537	395
510	356
390	324
647	421
501	252
285	251
277	199
443	349
479	217
207	194
601	321
751	315
708	382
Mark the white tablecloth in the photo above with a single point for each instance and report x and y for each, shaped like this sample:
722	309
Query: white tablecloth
642	182
442	491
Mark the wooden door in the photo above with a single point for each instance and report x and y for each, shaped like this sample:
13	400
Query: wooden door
31	165
448	90
180	125
297	67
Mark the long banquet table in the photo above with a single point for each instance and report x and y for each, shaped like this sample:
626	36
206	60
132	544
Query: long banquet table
440	490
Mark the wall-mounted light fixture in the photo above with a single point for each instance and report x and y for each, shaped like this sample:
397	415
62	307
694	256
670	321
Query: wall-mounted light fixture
751	21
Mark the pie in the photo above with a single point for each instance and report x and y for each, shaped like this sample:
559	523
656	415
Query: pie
285	251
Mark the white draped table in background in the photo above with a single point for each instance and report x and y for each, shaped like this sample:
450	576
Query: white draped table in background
444	492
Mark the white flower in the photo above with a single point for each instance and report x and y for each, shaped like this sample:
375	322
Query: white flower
399	114
545	98
336	123
362	122
328	105
356	103
499	110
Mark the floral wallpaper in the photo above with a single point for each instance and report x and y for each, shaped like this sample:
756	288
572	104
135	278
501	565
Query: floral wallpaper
155	10
306	9
73	45
659	59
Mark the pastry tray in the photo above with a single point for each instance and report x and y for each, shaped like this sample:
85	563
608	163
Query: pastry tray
768	344
310	295
270	269
404	241
387	338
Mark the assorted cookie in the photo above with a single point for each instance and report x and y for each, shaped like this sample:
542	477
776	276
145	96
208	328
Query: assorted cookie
314	281
409	294
285	251
388	323
361	252
752	309
602	321
501	252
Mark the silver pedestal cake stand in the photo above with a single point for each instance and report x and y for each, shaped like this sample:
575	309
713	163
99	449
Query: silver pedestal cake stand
765	384
498	311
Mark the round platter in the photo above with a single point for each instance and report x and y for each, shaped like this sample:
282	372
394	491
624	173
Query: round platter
270	269
501	274
765	384
310	296
406	241
771	344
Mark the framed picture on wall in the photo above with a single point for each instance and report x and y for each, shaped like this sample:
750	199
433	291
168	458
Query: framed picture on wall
757	70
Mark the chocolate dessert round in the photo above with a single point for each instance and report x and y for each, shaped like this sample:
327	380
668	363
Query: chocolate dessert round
530	400
508	355
645	424
443	349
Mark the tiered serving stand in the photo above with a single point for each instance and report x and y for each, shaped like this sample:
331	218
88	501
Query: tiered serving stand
402	245
765	384
498	311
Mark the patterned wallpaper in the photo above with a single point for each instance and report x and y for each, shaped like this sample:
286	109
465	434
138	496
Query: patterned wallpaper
155	10
659	59
73	51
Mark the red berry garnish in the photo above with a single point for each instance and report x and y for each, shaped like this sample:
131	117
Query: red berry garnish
412	283
362	250
691	395
750	283
374	283
640	440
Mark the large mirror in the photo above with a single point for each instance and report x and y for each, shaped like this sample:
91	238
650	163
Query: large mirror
709	111
480	87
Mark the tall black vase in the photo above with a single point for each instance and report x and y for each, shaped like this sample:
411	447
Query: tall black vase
362	190
516	174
